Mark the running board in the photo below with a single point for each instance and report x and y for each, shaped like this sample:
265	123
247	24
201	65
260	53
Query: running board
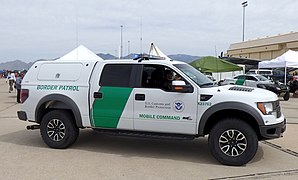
144	134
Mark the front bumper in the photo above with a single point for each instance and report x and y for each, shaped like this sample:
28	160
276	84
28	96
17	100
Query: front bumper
273	131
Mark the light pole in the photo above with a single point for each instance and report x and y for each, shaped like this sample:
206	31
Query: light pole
244	4
128	47
121	41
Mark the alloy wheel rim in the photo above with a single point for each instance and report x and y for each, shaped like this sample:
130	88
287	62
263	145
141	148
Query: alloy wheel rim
232	142
56	130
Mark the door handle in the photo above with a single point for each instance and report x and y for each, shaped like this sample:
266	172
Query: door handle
140	97
97	95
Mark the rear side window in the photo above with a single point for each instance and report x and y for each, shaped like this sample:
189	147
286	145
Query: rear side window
240	77
116	75
251	72
265	72
251	78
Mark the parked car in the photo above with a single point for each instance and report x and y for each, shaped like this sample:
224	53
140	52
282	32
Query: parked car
264	72
254	80
279	75
275	74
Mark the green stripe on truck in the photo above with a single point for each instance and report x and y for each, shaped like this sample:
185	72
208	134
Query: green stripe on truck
107	110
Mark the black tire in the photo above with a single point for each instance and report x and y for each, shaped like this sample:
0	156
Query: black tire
58	129
287	96
233	142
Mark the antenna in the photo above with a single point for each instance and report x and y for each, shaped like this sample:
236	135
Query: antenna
77	28
218	74
141	36
215	51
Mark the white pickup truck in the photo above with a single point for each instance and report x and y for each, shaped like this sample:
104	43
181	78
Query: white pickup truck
147	97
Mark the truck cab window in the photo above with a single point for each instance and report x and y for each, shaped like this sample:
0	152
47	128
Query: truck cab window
158	76
116	75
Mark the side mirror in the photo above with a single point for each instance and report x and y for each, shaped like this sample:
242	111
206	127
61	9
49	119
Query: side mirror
180	86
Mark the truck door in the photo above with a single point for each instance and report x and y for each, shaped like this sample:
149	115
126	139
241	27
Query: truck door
110	97
158	109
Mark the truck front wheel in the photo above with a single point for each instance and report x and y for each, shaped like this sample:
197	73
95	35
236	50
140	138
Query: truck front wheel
58	129
233	142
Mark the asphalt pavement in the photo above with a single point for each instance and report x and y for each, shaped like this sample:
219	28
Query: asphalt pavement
23	155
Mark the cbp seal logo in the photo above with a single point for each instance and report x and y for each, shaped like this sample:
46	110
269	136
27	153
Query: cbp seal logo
178	106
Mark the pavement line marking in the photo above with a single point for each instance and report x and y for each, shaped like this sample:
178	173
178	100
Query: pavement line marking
8	107
292	123
261	175
288	151
5	117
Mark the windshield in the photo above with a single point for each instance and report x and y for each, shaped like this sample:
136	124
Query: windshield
199	78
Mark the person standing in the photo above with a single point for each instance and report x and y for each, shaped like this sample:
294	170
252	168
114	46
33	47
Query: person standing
11	78
18	86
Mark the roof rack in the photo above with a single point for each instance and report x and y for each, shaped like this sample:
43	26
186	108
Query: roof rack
141	57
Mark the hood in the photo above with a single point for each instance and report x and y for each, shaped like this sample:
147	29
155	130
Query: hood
266	82
240	93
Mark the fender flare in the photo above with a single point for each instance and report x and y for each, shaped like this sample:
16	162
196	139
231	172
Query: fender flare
64	99
228	106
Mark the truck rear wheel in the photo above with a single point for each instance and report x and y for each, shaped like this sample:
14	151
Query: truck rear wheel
58	129
233	142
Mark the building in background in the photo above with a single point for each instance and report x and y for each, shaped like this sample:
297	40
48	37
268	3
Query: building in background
263	48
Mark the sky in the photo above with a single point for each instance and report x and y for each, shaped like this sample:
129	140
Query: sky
47	29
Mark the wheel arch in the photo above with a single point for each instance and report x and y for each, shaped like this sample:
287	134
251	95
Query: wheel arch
57	101
228	110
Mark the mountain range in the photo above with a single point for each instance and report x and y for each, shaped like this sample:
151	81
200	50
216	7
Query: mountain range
20	65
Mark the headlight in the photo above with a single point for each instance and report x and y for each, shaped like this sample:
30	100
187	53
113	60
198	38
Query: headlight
265	107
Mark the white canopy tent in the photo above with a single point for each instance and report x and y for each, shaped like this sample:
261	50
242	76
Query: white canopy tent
80	53
288	59
155	51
